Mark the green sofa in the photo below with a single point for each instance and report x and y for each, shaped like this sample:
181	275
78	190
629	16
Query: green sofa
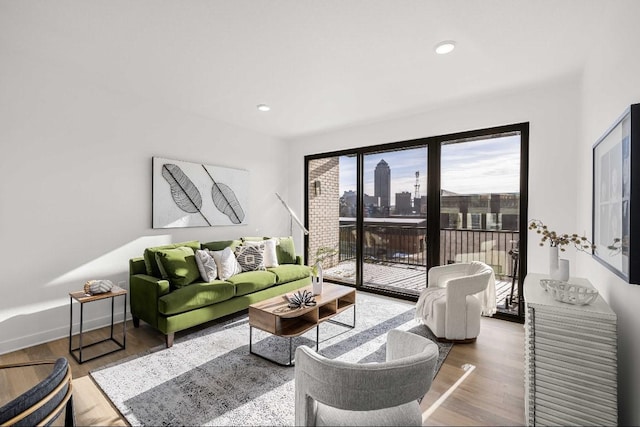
170	306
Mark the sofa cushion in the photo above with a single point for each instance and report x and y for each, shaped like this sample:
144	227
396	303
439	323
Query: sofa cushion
195	296
150	255
178	265
286	250
290	272
252	281
220	245
250	258
226	263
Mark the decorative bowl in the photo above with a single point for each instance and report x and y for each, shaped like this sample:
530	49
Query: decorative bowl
571	293
544	283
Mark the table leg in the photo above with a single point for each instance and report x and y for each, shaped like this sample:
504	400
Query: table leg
346	324
112	307
80	336
291	359
70	323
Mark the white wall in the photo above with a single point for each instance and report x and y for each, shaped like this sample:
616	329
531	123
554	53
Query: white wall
611	84
75	182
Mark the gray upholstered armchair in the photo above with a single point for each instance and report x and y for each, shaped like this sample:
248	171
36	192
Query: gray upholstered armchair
333	392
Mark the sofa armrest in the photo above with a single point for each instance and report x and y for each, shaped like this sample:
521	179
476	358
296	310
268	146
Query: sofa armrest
137	266
299	260
145	291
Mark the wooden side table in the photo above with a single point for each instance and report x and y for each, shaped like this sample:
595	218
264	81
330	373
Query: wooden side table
84	298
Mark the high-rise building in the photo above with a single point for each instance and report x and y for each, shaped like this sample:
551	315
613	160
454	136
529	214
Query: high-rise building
382	185
403	203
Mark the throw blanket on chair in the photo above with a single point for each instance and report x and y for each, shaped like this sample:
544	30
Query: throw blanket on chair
424	306
488	298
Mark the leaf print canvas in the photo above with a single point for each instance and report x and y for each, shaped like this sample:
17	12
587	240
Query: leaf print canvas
187	194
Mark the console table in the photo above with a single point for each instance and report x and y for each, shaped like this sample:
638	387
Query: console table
570	359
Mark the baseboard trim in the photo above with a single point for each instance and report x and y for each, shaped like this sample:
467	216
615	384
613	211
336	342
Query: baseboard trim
43	337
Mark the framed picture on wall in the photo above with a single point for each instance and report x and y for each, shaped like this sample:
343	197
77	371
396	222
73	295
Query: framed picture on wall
187	194
616	196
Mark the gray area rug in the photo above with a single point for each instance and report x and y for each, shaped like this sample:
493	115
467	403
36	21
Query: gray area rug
209	377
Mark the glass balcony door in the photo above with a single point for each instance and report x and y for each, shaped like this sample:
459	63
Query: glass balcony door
332	213
480	199
386	214
394	221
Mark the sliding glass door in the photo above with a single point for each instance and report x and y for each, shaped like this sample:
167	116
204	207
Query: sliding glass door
379	217
394	220
332	199
480	208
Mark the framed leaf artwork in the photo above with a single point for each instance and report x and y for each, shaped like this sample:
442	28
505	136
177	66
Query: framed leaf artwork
187	194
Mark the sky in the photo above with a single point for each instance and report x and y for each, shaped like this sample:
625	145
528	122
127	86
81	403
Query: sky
473	167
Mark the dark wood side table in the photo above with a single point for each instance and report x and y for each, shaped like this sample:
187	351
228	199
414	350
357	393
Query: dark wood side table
83	299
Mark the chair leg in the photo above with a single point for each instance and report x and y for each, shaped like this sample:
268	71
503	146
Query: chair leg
69	415
136	322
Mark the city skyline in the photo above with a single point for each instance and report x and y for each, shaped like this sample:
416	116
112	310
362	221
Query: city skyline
473	167
403	165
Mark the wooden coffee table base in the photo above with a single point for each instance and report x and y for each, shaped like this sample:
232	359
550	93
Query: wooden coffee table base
275	317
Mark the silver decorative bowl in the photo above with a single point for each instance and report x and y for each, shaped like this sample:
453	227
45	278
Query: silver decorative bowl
571	293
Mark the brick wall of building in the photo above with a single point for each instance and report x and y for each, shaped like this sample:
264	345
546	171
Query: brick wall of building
324	193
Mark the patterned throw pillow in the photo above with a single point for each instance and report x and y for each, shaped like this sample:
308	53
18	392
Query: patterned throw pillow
270	254
206	265
251	258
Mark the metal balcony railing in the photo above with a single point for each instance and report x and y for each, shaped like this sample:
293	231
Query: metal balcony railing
401	244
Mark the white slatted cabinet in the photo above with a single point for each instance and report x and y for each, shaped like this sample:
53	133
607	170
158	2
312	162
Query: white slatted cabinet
571	372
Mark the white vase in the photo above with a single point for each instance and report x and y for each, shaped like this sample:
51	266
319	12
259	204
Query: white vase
558	268
316	280
553	259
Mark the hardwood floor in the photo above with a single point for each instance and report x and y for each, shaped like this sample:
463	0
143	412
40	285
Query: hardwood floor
491	394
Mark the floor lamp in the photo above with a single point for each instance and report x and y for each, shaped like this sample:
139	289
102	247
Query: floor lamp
292	217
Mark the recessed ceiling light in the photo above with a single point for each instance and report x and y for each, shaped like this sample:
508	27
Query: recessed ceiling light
263	107
445	47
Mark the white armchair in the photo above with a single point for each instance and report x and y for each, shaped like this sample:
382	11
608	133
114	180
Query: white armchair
338	393
455	298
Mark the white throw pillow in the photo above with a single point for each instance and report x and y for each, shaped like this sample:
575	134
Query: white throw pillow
206	265
270	254
226	263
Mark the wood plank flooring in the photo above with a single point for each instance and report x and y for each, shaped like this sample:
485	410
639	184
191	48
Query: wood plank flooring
492	394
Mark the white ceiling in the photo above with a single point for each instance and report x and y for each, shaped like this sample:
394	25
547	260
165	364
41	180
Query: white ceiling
320	65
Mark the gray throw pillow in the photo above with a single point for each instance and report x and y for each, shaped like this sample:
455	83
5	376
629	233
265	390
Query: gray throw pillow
206	265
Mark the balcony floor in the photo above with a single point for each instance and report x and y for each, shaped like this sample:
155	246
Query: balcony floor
403	278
